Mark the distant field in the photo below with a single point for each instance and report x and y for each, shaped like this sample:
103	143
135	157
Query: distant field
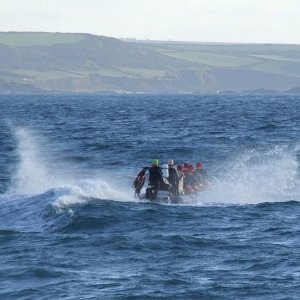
98	63
290	69
230	49
38	39
212	59
123	72
279	58
273	59
31	74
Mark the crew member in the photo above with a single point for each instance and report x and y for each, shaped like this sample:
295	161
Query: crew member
201	175
173	177
189	182
180	180
155	175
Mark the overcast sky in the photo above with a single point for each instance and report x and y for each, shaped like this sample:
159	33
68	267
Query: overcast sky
261	21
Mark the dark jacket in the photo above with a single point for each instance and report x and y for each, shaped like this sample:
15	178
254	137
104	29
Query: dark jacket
173	177
155	175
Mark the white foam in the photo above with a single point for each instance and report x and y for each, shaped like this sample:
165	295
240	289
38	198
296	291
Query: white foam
32	176
256	177
83	190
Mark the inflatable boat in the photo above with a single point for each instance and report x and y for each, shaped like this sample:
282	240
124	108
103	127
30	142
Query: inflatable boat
165	193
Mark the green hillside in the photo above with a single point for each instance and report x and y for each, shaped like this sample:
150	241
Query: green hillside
38	38
277	59
87	63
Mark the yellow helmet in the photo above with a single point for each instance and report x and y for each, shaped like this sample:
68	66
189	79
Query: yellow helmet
155	162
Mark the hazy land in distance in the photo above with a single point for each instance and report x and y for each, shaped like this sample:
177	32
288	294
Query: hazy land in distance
70	62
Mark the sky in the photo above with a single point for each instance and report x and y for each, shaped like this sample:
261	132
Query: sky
239	21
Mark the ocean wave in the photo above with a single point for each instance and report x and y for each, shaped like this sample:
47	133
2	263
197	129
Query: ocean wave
43	197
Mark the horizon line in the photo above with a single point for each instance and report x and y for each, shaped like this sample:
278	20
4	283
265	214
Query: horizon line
147	40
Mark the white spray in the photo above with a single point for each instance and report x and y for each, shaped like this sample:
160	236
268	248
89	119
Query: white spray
34	175
252	177
255	177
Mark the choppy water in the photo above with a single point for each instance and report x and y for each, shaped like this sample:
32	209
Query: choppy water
70	227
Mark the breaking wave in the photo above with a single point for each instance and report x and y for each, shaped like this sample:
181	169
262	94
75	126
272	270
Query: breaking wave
40	189
35	175
252	177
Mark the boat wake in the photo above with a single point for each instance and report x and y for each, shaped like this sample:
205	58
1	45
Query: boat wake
256	176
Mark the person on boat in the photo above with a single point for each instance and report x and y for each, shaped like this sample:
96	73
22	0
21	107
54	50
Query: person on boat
185	168
173	177
139	181
201	175
157	181
180	180
156	175
189	181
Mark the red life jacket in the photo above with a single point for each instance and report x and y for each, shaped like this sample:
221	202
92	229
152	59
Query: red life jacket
139	180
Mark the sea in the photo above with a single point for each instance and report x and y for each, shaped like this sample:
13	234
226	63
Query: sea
71	228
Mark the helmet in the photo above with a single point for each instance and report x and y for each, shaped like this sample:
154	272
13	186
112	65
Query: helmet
179	168
170	162
155	162
199	165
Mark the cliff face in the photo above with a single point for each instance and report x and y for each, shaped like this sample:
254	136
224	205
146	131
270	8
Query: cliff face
87	63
